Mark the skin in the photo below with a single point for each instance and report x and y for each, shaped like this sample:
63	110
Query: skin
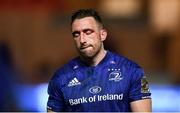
144	105
88	36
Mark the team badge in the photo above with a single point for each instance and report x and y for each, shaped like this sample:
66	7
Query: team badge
115	76
95	89
144	85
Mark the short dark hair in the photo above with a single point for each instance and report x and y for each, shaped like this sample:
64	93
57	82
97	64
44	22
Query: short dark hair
81	13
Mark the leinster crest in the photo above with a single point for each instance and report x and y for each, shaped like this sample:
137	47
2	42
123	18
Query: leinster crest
115	76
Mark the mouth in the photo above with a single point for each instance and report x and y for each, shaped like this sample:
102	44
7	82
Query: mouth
84	47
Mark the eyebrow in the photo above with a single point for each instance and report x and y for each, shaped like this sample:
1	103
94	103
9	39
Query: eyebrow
84	30
87	29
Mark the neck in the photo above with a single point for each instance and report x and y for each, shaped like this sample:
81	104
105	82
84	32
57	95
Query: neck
95	60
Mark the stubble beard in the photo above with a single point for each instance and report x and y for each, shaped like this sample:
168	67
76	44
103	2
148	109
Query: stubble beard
90	54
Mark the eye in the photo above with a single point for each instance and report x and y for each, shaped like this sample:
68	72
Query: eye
88	31
75	34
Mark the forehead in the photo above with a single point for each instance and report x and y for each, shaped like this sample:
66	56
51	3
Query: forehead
83	23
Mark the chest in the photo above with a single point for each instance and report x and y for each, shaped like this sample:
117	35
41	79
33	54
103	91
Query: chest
101	84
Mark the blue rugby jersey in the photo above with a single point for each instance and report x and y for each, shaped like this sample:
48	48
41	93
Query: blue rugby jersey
109	86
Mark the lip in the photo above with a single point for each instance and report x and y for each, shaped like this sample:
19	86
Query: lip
84	47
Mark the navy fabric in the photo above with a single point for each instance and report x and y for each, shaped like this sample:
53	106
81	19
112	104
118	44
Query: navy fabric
110	86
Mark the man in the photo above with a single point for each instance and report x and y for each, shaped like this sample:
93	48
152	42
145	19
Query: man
97	80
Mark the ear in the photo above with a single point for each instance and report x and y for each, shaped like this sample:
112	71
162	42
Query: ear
103	34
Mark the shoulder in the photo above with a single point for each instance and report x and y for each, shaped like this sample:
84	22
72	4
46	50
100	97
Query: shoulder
63	72
123	61
128	67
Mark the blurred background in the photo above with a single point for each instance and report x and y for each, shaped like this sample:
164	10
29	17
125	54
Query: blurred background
35	40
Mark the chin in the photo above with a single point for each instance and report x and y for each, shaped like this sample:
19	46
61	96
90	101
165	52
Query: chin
87	55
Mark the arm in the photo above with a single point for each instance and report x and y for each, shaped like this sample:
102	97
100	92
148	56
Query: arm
50	111
55	101
144	105
140	93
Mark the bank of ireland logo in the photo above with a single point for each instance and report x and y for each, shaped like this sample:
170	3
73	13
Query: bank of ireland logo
115	76
95	89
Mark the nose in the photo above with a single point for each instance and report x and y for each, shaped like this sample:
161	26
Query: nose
82	38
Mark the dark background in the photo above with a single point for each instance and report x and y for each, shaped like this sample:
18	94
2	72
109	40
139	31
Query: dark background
35	40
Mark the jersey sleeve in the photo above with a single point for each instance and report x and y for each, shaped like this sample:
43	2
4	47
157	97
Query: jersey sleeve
55	100
139	88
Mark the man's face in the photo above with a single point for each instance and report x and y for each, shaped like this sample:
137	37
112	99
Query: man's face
88	36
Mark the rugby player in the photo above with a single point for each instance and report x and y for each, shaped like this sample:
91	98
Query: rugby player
97	80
